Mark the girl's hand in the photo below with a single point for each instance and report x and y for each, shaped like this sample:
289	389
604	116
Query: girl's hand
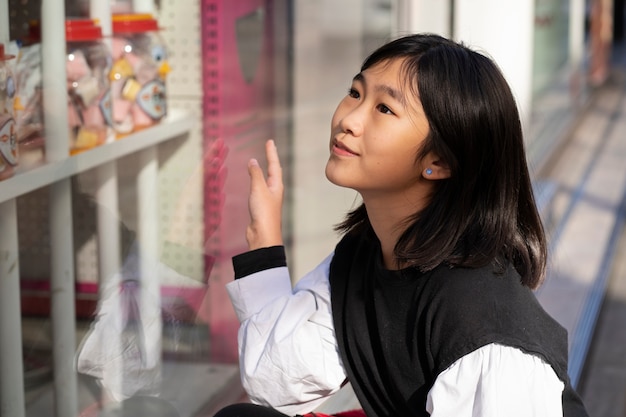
265	201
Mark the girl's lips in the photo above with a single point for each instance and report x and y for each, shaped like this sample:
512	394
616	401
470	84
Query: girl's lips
342	150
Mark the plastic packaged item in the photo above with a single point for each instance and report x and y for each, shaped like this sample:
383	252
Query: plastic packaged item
89	99
28	104
138	74
8	130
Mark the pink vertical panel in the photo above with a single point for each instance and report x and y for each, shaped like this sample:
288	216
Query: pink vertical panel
238	118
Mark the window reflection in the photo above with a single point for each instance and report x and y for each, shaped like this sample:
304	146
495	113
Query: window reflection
158	335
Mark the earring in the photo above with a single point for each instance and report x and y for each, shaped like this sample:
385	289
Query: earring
429	171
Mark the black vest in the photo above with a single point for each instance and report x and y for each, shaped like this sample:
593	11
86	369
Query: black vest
398	330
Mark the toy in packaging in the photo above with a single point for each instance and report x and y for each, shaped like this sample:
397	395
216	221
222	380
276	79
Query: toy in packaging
138	74
8	131
89	100
28	105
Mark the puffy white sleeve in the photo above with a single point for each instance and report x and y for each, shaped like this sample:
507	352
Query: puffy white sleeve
288	353
496	381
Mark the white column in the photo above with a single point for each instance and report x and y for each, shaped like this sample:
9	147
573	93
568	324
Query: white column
149	241
147	213
11	367
53	79
576	34
415	16
106	187
109	262
63	312
504	30
62	274
148	226
108	221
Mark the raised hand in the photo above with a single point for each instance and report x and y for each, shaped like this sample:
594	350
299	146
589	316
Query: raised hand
265	201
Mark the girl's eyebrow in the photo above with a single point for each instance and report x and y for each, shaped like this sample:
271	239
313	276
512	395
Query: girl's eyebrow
383	88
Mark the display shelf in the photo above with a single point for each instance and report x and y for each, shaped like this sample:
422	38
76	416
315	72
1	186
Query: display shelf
178	122
55	174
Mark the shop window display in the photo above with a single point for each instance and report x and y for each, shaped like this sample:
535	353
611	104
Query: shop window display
246	78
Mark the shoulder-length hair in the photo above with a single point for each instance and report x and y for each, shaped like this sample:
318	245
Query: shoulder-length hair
485	211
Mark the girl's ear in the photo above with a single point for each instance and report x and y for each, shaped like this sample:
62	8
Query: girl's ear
434	168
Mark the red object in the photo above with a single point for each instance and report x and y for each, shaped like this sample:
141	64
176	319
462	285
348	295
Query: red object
35	298
77	30
134	23
4	57
350	413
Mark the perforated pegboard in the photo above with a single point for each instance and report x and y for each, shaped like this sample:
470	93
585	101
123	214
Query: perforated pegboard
180	200
21	12
180	175
180	21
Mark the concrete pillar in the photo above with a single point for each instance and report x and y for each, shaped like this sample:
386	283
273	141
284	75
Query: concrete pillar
504	31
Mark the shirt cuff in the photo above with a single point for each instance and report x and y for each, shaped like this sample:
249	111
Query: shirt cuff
497	380
259	260
252	293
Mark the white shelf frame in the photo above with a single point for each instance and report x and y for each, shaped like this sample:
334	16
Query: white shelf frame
177	123
56	173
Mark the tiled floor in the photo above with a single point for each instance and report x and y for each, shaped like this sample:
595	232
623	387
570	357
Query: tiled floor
603	380
603	383
591	181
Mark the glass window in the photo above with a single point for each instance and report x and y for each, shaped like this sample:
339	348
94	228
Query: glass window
154	215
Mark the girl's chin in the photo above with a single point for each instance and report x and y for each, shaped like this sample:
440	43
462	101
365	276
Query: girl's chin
335	177
331	173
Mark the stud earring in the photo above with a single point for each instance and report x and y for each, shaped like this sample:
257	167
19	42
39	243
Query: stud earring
429	171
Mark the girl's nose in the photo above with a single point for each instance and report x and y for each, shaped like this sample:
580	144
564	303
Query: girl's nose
352	121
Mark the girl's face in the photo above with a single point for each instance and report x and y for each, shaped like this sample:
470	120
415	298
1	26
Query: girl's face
376	133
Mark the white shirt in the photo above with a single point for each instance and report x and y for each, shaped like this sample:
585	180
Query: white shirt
289	357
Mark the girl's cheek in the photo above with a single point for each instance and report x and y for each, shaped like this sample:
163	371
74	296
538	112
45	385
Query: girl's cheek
342	109
334	121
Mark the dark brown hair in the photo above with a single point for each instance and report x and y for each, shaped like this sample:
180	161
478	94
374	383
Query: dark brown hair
485	212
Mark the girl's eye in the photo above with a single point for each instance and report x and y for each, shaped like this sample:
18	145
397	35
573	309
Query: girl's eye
384	109
353	93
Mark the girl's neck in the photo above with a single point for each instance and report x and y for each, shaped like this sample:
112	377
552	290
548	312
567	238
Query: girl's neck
388	237
389	221
389	213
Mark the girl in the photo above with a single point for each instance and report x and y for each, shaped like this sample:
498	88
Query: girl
426	303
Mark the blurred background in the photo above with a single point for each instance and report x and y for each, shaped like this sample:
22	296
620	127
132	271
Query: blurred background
126	127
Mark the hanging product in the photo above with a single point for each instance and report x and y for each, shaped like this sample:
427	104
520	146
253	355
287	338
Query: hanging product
138	74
